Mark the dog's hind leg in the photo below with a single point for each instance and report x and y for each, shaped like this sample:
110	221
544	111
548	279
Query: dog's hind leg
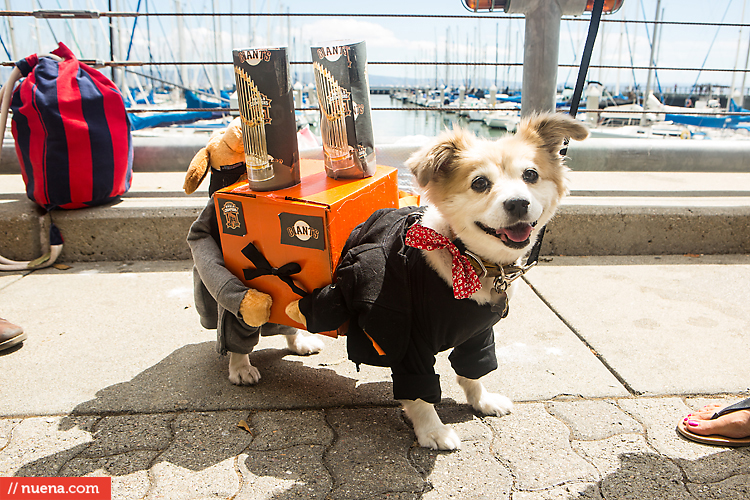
241	372
486	403
304	344
430	430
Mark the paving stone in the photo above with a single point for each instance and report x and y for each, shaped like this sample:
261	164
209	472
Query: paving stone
644	475
607	454
577	491
6	430
40	446
124	433
115	465
273	430
289	473
130	486
720	464
472	473
536	447
174	482
124	487
734	488
591	420
701	463
369	455
202	440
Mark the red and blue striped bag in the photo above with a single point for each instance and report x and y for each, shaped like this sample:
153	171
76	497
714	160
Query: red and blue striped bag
72	133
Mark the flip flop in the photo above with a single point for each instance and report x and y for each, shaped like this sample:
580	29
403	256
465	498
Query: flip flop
716	439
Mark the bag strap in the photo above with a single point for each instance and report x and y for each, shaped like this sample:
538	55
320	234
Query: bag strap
55	243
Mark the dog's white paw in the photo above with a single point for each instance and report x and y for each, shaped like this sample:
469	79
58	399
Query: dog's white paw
440	438
493	404
486	403
241	372
304	345
430	431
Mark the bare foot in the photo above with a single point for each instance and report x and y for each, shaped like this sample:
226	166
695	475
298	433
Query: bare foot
733	425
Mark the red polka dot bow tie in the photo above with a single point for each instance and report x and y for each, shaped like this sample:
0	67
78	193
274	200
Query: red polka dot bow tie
465	279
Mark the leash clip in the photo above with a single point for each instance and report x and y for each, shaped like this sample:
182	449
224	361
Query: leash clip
503	282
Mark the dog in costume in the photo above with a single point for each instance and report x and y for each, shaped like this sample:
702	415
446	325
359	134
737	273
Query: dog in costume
238	313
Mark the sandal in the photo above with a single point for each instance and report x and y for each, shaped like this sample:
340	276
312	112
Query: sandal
717	439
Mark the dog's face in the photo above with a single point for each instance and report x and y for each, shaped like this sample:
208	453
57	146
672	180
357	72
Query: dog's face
496	195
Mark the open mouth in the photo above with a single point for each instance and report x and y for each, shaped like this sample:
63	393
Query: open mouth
515	236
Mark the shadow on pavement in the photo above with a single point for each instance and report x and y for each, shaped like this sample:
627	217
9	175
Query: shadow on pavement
309	427
722	475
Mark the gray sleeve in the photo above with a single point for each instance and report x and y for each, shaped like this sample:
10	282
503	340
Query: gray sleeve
226	288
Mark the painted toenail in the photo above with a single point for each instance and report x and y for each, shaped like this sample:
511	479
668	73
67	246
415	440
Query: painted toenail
692	423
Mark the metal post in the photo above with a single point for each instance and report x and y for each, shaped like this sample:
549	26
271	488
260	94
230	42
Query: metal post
540	58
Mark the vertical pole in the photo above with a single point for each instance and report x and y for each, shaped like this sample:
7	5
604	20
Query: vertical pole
447	57
13	47
251	36
231	25
736	61
182	69
112	45
647	91
540	58
497	45
217	50
742	89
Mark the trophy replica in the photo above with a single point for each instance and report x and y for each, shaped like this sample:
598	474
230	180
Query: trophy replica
269	128
344	95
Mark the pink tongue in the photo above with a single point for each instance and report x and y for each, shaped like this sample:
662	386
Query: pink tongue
518	233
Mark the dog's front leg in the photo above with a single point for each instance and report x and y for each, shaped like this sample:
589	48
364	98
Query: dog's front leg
486	403
241	372
430	430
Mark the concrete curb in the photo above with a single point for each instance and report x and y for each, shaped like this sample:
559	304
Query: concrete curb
611	213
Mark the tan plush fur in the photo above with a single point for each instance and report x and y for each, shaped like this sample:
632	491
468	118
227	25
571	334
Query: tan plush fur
223	148
292	310
255	308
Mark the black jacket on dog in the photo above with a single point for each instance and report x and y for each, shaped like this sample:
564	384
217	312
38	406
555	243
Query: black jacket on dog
401	312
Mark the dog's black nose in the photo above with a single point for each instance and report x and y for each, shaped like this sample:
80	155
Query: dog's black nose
517	207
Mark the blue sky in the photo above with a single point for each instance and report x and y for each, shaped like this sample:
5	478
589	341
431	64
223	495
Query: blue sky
393	39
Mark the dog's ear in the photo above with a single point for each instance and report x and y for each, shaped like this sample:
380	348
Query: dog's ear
550	130
437	159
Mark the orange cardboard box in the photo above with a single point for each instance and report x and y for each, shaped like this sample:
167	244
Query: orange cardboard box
289	241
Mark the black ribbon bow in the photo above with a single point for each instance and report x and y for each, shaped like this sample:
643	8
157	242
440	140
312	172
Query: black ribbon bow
264	268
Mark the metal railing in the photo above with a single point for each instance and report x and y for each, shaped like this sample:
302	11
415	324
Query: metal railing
127	66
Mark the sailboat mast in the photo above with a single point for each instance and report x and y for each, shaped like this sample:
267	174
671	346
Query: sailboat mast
13	47
736	60
181	44
217	50
647	91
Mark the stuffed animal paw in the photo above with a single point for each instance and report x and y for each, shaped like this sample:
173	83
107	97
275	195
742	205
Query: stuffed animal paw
255	307
292	310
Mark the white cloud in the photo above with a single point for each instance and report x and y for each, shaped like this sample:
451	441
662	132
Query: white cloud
375	35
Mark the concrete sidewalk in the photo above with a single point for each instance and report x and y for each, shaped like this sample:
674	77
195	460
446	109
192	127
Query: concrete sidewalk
602	355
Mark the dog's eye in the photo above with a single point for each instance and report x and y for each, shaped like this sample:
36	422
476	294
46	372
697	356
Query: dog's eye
530	176
481	184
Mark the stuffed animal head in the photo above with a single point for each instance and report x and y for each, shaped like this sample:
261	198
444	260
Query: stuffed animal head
224	156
